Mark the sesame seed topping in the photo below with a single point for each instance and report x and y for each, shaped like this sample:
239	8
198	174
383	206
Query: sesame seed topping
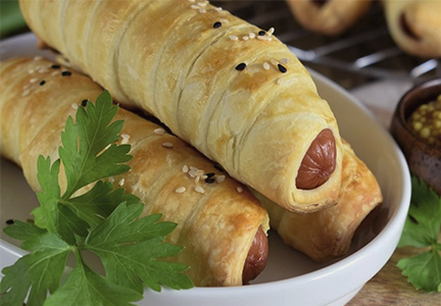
218	9
42	70
9	221
54	73
42	83
196	180
252	35
284	61
66	73
239	189
55	66
37	58
159	131
33	80
185	168
271	31
121	182
202	4
167	145
241	66
74	106
261	33
266	66
245	37
220	178
125	138
233	37
194	6
199	189
181	189
31	71
282	68
217	24
202	11
84	102
25	93
210	180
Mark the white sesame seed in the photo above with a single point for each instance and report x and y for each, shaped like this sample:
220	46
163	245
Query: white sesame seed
54	73
159	131
284	61
31	71
25	93
262	37
181	189
167	145
202	11
199	189
37	58
111	179
233	37
239	189
33	80
192	173
220	178
194	6
266	66
42	70
202	4
196	180
204	177
245	37
121	182
274	62
125	138
270	31
185	168
252	35
74	106
218	9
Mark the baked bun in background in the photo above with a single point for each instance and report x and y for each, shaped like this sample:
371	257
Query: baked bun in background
329	17
415	25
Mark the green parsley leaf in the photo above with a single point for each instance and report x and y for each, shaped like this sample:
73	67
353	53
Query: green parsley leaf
421	230
103	220
130	248
85	287
88	153
37	273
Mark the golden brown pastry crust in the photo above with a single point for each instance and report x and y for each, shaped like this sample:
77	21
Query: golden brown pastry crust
330	17
216	228
328	233
415	25
166	57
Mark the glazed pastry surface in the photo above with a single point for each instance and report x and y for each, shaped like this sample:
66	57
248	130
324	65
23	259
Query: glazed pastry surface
232	90
216	223
327	234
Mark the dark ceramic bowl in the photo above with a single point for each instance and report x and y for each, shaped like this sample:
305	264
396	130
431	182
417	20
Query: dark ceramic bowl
424	160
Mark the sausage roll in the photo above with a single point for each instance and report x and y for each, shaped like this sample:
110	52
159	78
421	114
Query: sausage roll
328	233
330	17
415	25
232	90
221	226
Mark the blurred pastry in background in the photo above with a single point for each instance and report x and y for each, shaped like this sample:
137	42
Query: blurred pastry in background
329	17
415	25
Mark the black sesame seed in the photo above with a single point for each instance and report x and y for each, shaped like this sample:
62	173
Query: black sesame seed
66	73
218	167
241	66
55	66
217	24
261	33
282	68
84	102
211	174
42	83
210	180
9	221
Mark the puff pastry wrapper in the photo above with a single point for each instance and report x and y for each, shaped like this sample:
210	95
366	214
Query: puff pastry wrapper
327	234
216	228
166	57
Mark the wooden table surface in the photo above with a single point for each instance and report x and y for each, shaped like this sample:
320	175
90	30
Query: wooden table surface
389	287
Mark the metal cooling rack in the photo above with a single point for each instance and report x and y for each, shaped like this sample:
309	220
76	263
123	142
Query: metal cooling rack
364	53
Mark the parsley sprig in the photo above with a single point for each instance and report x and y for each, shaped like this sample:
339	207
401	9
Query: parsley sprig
102	220
422	230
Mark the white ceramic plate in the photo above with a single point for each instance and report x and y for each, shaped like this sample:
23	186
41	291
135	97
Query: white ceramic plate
290	277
